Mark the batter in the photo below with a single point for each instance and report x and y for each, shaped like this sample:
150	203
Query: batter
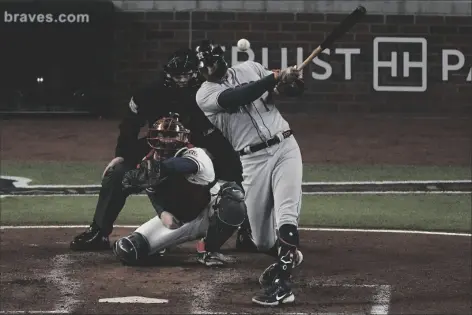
239	101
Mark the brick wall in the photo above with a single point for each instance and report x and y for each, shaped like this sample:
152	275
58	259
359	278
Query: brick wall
144	41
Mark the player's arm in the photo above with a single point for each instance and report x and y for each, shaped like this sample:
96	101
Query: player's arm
136	117
291	89
178	165
129	130
232	98
214	98
151	173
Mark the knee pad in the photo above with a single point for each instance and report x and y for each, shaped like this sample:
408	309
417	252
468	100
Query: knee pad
230	213
230	207
288	234
132	249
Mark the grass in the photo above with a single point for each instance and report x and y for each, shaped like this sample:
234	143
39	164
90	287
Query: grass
69	173
422	212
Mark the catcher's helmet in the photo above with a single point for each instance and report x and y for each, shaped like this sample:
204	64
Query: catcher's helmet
212	63
182	70
167	135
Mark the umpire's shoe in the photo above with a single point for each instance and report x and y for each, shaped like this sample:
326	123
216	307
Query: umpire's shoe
91	239
279	293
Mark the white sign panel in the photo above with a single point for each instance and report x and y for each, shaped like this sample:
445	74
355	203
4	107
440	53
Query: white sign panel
453	60
407	64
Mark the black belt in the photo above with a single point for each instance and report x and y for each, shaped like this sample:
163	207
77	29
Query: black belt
268	143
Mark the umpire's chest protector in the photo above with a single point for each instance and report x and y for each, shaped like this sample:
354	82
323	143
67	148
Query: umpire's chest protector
183	199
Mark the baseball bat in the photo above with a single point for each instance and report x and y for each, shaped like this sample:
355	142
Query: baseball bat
341	29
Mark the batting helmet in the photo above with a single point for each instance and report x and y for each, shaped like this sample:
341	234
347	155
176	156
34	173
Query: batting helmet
212	63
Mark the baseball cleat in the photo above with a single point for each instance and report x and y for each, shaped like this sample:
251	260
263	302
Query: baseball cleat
279	293
91	239
214	259
272	272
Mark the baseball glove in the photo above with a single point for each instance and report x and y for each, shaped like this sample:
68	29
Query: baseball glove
147	175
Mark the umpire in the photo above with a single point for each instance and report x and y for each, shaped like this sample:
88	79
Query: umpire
174	91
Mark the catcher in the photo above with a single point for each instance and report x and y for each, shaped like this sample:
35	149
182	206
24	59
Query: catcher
190	204
173	91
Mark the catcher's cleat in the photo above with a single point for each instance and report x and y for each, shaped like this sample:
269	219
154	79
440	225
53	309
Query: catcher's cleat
271	273
244	242
90	240
279	293
214	259
211	259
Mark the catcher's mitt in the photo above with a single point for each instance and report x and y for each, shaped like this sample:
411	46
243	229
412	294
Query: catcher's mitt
147	175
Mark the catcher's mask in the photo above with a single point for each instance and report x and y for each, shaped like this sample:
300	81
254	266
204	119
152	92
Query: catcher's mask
182	70
212	63
166	136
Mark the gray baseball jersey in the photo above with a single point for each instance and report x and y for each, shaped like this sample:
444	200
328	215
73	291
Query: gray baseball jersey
272	176
252	124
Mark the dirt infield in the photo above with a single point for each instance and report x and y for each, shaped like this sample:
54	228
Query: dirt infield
342	273
323	139
373	273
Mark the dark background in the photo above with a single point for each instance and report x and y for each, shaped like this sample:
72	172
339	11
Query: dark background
74	59
118	51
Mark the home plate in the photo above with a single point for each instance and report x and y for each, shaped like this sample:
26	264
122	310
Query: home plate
134	299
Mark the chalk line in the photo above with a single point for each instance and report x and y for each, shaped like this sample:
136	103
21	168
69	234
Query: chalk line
439	233
388	192
307	193
373	192
68	289
24	183
33	312
381	300
390	182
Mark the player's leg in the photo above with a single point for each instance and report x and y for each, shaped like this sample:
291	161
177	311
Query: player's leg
229	212
154	236
111	201
287	190
259	201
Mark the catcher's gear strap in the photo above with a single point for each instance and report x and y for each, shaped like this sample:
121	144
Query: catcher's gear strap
132	248
230	212
242	95
273	141
288	234
230	207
